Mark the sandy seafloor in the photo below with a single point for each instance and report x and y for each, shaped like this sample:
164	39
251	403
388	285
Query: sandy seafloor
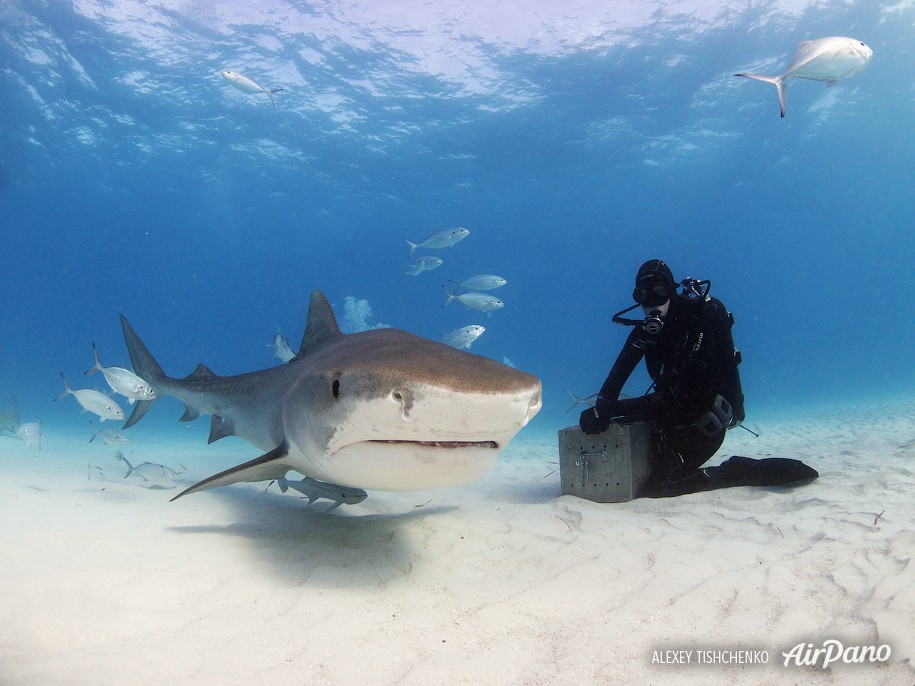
501	581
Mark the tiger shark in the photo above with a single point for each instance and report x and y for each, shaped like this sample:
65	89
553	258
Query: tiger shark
380	409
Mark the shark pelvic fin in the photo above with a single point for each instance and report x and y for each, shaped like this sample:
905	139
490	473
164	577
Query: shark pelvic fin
220	428
321	325
270	465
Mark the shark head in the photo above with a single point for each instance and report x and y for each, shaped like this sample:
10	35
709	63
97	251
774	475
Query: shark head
387	410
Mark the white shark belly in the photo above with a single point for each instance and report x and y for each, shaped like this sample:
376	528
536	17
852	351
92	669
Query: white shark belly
400	466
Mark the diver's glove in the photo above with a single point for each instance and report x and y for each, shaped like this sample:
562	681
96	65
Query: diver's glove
596	419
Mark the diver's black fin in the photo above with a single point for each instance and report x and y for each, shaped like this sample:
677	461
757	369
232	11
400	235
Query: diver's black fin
771	471
736	471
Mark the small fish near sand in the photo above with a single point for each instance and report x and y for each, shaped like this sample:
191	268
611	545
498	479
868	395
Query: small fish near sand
464	337
122	381
423	264
93	401
108	436
30	433
248	85
823	59
281	348
440	239
150	474
482	302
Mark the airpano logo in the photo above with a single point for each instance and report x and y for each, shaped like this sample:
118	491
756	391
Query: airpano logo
804	654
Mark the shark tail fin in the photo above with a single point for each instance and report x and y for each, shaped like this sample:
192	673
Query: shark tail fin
144	366
778	82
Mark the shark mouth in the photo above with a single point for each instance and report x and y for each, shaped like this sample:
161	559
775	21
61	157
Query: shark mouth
446	444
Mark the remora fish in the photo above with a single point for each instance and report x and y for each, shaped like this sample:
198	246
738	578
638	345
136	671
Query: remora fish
313	490
95	402
379	409
248	85
122	380
823	59
440	239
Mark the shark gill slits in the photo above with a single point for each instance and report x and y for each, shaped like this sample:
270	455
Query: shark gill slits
335	388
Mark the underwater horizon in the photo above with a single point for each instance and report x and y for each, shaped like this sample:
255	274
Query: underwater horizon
573	143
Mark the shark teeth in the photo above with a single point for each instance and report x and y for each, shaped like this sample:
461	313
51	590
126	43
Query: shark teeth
446	444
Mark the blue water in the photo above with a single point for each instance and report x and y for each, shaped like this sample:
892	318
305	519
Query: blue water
135	179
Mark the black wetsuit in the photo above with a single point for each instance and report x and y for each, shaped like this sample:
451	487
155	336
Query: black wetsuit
691	361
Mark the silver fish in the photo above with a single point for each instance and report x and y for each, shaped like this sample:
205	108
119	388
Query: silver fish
122	380
248	85
380	409
95	402
576	401
464	337
423	264
151	475
109	436
30	433
481	282
481	302
281	348
440	239
822	59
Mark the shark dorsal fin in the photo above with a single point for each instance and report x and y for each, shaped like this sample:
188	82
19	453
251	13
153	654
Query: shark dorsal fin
321	325
202	372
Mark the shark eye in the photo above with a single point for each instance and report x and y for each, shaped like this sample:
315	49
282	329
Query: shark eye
335	388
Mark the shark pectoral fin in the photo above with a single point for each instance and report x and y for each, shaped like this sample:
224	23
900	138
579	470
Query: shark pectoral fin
220	428
270	465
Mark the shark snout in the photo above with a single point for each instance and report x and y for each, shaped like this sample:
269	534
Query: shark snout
534	406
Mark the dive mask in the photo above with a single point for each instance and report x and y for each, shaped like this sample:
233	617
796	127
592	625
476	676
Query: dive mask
651	296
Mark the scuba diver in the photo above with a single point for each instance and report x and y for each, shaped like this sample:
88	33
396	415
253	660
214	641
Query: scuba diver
685	339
